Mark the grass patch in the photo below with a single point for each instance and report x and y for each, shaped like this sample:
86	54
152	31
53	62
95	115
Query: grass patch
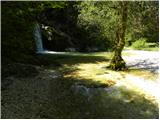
142	73
127	54
90	74
145	48
45	96
73	58
150	49
82	66
90	66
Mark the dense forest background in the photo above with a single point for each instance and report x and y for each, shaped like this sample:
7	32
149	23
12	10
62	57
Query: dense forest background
74	26
94	61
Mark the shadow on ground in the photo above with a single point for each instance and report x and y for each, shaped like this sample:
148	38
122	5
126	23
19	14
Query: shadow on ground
116	104
145	65
48	96
35	92
71	59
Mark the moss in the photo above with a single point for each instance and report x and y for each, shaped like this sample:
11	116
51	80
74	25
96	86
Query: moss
42	96
119	65
142	73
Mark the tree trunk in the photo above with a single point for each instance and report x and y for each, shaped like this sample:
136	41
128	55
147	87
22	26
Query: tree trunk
117	62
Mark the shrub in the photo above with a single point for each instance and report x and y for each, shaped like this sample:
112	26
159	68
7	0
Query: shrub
140	43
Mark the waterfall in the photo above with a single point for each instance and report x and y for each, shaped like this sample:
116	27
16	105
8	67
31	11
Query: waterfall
39	44
38	38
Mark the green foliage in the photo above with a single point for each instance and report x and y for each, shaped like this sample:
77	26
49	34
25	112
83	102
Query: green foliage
92	24
17	23
96	19
128	39
143	20
140	43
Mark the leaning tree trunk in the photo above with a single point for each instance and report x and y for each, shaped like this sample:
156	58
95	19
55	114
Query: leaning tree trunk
117	62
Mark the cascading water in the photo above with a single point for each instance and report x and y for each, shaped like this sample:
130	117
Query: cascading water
39	43
38	38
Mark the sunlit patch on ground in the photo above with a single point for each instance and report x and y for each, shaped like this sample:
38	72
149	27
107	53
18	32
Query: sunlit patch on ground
143	73
91	69
94	73
81	87
97	73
